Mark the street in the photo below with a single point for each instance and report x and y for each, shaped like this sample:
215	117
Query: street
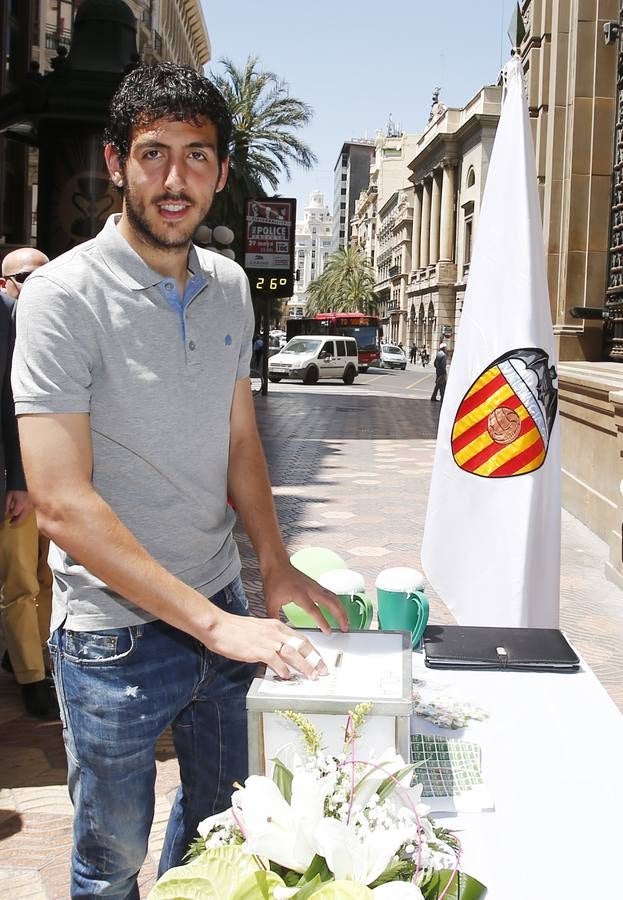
416	382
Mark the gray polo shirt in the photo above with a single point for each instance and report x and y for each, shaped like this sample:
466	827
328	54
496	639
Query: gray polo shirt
99	332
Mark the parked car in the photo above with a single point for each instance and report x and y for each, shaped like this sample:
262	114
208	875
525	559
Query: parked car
311	357
392	357
277	339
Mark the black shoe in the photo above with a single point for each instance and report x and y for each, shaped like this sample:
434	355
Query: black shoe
40	700
6	663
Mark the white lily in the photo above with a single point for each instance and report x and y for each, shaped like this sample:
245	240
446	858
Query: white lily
397	890
355	858
376	772
208	825
283	832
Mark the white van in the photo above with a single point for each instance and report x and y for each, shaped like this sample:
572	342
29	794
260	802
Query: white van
310	357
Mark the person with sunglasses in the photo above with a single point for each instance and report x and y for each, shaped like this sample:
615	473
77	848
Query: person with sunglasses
25	577
17	266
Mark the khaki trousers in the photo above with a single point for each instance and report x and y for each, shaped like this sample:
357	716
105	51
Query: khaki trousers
26	602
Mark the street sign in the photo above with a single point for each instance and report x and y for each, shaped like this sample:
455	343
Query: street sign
269	246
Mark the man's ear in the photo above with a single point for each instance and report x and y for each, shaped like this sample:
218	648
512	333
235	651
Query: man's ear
223	173
2	282
114	166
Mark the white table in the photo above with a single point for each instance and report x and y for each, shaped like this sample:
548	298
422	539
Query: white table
552	756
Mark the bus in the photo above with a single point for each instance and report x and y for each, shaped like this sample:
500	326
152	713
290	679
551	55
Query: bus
365	329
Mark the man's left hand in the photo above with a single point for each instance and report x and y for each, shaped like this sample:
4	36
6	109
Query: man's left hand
288	585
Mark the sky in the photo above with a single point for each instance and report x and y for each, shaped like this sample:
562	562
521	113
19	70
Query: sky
356	62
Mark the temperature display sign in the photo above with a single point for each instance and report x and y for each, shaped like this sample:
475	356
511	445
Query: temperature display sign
269	246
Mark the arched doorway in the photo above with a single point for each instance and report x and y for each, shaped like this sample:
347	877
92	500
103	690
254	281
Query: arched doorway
431	321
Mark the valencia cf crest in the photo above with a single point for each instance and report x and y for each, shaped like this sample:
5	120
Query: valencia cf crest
503	424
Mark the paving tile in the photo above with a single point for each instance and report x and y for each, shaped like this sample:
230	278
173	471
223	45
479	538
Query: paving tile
22	885
50	799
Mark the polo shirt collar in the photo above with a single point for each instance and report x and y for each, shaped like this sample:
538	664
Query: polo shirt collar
125	263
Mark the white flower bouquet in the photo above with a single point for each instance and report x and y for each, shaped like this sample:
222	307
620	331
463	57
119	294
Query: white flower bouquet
327	827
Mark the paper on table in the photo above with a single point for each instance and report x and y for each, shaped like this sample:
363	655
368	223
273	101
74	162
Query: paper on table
356	669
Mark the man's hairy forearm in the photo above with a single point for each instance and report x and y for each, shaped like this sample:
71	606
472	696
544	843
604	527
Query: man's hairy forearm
86	527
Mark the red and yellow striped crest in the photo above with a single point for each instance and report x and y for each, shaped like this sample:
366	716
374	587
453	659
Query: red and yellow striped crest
499	430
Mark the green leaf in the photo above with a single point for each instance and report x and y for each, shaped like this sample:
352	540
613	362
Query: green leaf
463	887
317	868
225	867
184	887
260	885
309	889
389	784
342	890
282	777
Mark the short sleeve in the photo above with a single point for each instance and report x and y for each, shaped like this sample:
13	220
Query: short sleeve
248	328
55	350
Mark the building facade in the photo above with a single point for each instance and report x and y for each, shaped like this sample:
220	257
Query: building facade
31	34
350	177
448	174
166	30
573	60
389	192
313	241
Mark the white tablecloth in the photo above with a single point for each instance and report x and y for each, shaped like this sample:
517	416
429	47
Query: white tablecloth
552	756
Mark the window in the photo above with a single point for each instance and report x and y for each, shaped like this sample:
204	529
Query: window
343	192
468	242
343	205
344	176
341	348
471	177
329	347
351	346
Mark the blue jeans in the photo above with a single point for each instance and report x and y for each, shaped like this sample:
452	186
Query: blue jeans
118	690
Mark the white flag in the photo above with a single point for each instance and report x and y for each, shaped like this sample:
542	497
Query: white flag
491	545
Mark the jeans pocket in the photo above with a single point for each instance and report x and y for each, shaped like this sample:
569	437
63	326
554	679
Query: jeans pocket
235	598
99	648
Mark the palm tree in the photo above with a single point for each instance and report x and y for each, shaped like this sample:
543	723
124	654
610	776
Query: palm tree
264	143
346	285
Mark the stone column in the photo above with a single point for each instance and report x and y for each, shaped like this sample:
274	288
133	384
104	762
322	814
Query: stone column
425	224
435	211
417	222
447	212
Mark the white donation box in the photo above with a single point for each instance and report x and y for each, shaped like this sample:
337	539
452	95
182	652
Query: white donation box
373	666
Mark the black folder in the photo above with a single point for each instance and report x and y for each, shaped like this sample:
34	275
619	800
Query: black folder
476	647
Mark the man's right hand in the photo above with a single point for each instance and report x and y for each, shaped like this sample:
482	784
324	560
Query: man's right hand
268	641
17	505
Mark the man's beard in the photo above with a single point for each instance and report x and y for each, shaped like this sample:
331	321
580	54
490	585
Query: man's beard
137	217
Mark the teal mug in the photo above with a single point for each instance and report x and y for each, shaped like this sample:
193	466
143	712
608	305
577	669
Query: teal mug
402	603
349	586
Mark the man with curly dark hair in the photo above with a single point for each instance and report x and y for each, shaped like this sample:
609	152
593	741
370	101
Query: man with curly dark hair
137	424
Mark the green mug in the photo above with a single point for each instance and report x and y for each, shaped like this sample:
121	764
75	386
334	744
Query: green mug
349	586
402	603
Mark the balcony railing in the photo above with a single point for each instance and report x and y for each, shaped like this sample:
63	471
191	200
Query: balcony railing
56	39
394	270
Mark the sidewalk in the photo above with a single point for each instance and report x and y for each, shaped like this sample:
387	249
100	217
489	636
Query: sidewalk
350	471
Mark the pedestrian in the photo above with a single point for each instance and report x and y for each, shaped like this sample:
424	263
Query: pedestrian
258	347
441	372
25	576
413	354
424	356
131	380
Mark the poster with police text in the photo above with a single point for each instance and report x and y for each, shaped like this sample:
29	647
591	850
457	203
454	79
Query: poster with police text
269	234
